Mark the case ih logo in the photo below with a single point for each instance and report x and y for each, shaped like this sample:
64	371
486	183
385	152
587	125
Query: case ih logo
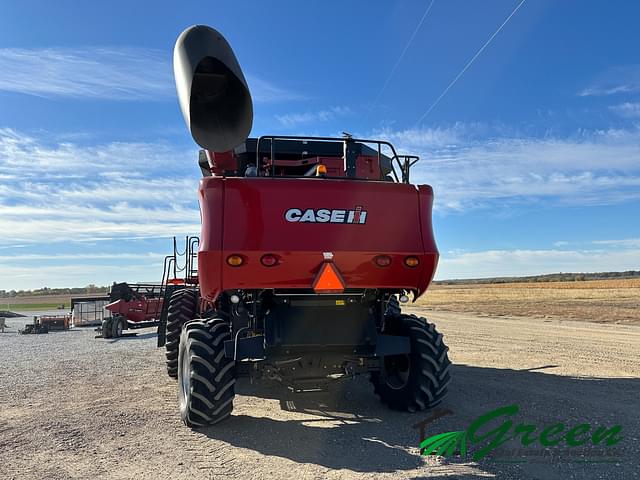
324	215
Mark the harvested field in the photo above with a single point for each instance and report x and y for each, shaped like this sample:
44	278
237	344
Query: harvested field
40	302
36	302
36	299
35	306
602	301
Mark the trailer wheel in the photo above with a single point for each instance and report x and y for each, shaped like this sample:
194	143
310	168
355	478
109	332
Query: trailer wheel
206	377
106	328
182	308
418	380
117	327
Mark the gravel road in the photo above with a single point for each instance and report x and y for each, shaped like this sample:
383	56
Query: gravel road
72	406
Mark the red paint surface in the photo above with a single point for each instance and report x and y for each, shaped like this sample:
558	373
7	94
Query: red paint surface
137	310
246	216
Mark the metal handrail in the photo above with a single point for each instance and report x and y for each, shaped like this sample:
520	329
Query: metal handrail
172	263
193	244
404	166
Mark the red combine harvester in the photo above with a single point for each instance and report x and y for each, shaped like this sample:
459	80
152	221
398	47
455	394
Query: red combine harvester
136	305
307	249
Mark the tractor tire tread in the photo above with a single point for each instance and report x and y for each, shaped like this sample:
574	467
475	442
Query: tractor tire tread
428	377
211	375
183	306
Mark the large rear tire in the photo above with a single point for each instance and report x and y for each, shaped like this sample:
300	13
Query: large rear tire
206	378
418	380
182	308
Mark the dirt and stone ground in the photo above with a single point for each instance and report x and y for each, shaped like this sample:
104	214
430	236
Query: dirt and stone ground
72	406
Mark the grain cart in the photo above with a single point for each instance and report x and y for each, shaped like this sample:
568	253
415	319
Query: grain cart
308	247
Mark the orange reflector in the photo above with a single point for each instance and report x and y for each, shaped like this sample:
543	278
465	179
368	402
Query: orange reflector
321	170
175	281
328	279
411	262
235	260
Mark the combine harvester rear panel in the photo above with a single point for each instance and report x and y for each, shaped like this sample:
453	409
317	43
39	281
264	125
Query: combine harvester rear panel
308	247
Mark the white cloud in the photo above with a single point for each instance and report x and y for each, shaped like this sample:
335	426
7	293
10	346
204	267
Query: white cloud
498	263
110	73
601	90
420	138
25	277
63	229
627	109
590	168
294	119
147	190
80	256
263	91
113	73
69	192
625	242
617	80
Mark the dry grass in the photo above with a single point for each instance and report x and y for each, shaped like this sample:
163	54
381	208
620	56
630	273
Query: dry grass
606	301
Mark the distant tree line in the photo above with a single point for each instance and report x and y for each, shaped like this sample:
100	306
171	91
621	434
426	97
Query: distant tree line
552	277
53	291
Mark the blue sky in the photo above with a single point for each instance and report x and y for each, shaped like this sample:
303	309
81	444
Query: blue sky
534	153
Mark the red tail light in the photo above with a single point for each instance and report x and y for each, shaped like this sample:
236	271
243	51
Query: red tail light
382	260
269	260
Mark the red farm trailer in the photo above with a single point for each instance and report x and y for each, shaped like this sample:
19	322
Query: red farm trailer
135	305
46	323
308	248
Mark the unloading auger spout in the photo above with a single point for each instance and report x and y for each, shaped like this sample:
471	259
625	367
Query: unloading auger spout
212	91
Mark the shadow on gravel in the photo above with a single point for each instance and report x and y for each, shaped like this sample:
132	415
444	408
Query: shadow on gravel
345	428
134	336
348	428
